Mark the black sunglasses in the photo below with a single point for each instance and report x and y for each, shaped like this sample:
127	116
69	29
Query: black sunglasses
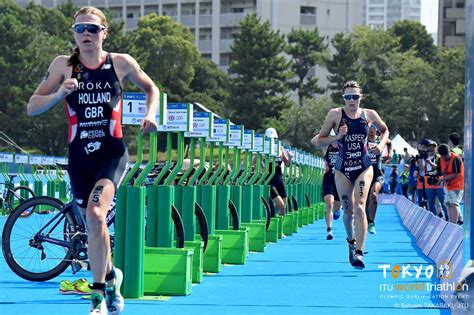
348	97
91	28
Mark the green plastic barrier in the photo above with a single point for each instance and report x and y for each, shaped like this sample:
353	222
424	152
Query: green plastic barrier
257	229
205	194
35	161
234	241
148	270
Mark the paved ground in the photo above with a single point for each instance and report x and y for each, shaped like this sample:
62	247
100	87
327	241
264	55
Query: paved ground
302	274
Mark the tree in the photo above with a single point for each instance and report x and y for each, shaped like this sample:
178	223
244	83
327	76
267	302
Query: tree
374	49
30	38
165	49
342	66
210	86
260	72
409	96
447	94
307	50
413	35
302	123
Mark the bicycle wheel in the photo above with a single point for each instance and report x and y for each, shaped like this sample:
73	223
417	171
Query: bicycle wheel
37	247
20	194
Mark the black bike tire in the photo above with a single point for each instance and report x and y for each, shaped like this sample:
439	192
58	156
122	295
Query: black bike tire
6	234
17	189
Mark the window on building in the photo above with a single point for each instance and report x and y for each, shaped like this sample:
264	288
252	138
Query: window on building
308	10
130	15
237	10
224	60
308	15
460	4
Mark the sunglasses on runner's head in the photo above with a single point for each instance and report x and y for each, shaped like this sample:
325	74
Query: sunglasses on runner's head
91	28
348	97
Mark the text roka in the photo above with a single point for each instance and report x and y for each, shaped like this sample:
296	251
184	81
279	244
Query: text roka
406	270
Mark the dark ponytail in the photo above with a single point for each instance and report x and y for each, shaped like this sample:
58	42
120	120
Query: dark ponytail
74	59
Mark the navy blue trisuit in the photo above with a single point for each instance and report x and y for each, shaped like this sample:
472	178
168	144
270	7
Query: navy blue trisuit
96	148
354	156
329	184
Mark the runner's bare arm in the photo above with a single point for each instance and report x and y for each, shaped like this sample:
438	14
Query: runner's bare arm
47	94
324	139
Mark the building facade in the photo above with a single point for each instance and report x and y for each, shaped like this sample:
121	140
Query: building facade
451	23
214	22
382	14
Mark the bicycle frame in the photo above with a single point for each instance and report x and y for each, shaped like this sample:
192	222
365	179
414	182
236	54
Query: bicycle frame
82	226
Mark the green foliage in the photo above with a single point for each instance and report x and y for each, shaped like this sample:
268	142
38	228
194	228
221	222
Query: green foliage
307	50
342	65
374	49
413	35
402	74
165	49
302	123
29	37
260	73
408	96
447	93
210	86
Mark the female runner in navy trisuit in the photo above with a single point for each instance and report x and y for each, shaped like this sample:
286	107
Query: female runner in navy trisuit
353	171
90	83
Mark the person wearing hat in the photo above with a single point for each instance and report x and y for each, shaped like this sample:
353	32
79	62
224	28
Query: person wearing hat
451	166
432	188
277	184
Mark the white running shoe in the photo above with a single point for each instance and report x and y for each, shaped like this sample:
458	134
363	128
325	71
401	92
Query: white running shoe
98	306
114	300
358	261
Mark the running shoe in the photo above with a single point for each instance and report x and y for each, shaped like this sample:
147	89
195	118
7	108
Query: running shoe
98	306
358	260
330	236
80	286
336	214
351	251
114	300
372	228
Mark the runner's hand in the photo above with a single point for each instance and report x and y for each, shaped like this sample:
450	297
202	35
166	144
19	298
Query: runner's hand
149	124
69	85
342	131
374	148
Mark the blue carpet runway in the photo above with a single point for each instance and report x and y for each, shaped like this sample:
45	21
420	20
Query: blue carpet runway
302	274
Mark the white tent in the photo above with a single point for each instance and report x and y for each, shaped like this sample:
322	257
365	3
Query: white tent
398	143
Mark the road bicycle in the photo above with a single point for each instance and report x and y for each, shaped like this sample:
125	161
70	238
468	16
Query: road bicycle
41	247
12	196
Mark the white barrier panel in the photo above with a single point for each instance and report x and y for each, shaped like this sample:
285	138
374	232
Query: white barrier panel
439	240
409	213
416	214
416	223
426	217
431	234
447	243
449	283
386	199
